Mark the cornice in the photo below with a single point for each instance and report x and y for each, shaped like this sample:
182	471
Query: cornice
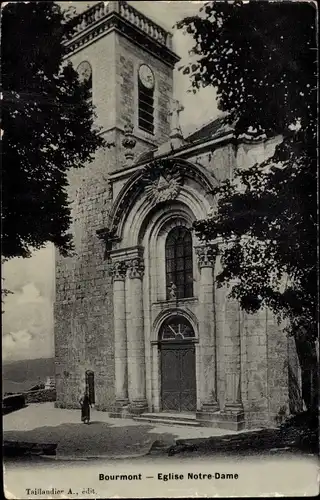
186	151
125	254
131	24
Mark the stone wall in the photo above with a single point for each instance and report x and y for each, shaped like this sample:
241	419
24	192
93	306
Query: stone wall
263	362
83	308
219	161
41	396
278	370
265	375
247	153
224	157
101	56
254	370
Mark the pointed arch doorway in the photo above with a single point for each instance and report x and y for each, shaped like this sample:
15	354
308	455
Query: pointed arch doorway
178	366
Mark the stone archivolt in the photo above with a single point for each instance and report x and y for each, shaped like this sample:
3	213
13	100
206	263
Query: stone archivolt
161	180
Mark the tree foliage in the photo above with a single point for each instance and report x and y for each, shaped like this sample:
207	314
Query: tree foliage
261	57
47	123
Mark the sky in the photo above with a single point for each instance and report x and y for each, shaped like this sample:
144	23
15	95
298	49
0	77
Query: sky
27	321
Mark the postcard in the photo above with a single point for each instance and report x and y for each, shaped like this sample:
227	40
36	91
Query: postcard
159	254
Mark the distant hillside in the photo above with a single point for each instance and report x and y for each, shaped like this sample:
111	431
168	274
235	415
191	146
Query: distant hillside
18	376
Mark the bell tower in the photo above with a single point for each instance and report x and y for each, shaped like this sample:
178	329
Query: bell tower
132	61
127	61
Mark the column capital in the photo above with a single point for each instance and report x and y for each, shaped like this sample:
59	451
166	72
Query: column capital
207	255
118	271
136	267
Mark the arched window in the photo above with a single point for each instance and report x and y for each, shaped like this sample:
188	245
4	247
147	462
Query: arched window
84	71
179	268
176	328
146	82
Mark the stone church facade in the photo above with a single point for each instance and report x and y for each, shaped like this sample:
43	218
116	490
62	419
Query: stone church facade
138	317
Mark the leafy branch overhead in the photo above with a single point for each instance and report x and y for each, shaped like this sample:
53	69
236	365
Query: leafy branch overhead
261	58
48	124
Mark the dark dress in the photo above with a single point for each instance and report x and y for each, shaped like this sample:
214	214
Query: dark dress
85	409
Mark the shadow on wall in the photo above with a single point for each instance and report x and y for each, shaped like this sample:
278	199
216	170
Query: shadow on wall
295	395
308	360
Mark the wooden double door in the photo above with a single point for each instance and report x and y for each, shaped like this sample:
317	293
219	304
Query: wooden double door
178	377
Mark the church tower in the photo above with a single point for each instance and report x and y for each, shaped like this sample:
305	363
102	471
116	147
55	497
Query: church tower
127	61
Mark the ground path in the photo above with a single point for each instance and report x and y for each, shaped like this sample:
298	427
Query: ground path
122	447
104	437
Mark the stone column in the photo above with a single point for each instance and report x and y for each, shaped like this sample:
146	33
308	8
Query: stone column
136	350
207	334
230	322
233	401
120	334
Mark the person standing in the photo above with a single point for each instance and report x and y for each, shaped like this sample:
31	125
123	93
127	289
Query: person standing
85	408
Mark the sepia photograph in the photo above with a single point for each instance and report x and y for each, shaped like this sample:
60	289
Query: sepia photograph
159	249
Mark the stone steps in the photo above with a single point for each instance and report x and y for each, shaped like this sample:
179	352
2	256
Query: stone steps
167	419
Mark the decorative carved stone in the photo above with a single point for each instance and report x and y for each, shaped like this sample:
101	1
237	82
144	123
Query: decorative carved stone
164	189
211	212
119	270
128	142
108	237
172	291
252	136
162	181
175	121
206	255
136	268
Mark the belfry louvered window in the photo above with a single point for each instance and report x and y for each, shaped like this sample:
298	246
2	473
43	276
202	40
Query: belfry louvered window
146	109
146	83
179	267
